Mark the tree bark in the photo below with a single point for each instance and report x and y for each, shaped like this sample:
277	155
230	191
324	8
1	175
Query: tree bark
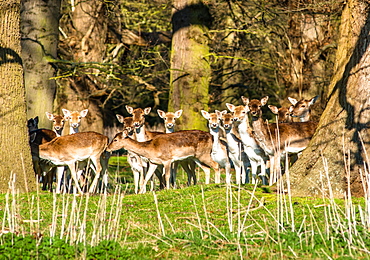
15	161
190	69
39	28
342	138
86	39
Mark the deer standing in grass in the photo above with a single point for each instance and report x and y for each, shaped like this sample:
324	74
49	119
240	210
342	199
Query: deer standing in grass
70	149
255	153
74	119
133	159
277	140
219	147
188	164
283	113
165	149
58	122
302	108
235	147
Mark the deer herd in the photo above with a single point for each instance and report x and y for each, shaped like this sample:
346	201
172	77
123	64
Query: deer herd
253	150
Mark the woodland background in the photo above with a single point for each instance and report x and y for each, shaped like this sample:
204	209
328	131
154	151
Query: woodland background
116	53
190	55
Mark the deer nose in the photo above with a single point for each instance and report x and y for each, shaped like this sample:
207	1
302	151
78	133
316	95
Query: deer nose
136	125
74	125
57	127
226	125
214	125
169	125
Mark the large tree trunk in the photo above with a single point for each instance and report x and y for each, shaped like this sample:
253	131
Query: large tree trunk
39	27
190	69
86	39
15	160
342	138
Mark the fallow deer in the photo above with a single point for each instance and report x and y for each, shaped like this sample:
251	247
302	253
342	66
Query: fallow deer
301	109
133	159
219	147
255	153
283	113
70	149
58	122
188	165
278	139
74	119
235	147
165	149
142	135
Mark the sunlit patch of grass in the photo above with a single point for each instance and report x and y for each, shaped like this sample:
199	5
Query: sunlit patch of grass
215	221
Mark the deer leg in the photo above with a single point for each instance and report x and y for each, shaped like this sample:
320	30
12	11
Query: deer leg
72	168
98	168
167	174
148	176
60	171
263	173
254	166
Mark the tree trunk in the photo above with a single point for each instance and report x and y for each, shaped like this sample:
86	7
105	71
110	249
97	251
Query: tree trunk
15	160
190	69
342	138
86	39
39	28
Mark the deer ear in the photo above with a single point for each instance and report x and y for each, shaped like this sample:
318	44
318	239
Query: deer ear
36	119
161	113
291	108
293	101
178	113
205	114
245	100
66	112
313	100
273	109
120	118
83	113
49	116
129	109
231	107
147	110
264	100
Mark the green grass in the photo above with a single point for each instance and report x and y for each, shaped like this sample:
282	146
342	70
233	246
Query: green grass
198	222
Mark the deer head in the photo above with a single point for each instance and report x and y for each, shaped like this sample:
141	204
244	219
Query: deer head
169	119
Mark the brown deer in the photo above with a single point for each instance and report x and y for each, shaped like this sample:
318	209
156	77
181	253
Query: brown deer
133	159
142	135
256	155
58	122
188	165
283	113
302	108
70	149
74	119
219	147
278	139
165	149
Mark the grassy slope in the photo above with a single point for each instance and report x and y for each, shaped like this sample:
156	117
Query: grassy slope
198	222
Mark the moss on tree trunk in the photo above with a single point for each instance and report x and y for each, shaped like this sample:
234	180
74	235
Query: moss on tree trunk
336	149
39	27
15	159
190	69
